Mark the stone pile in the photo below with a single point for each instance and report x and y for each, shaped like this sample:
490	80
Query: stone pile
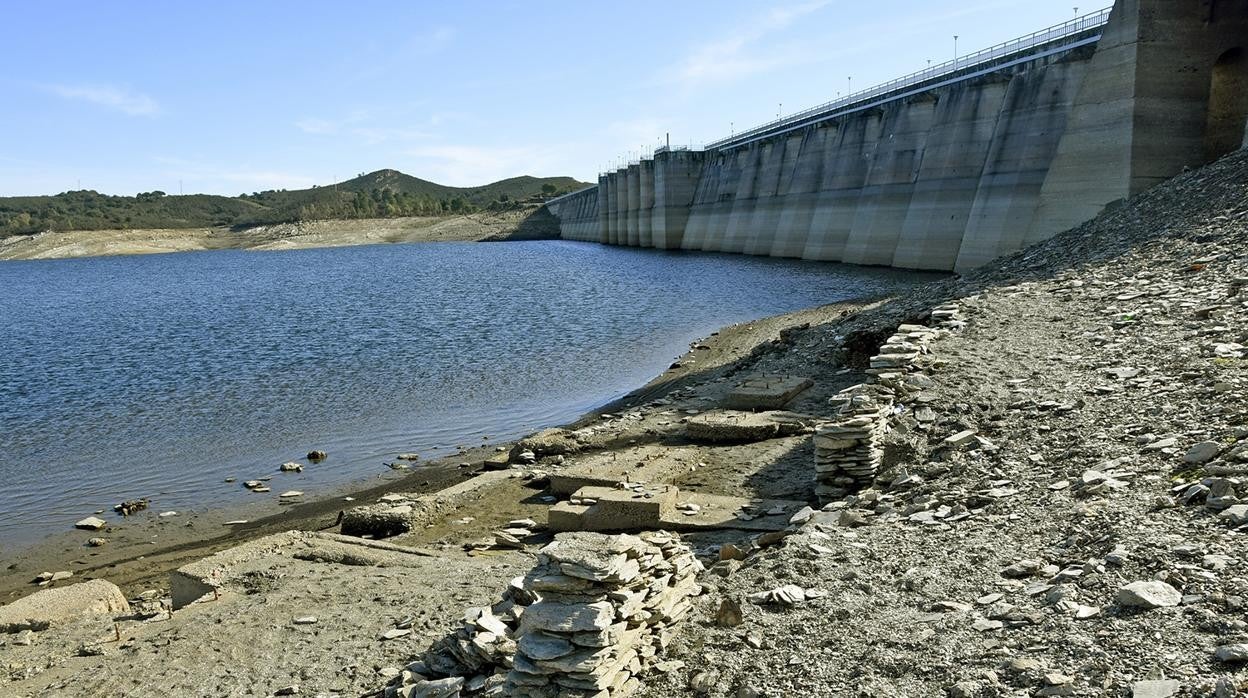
585	621
903	349
948	317
848	452
608	604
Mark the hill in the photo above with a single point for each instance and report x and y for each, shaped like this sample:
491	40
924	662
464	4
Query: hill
380	194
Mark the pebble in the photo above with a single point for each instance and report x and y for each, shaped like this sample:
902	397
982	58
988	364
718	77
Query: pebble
305	620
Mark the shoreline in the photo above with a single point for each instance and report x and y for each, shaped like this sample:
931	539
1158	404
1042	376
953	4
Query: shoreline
141	551
519	224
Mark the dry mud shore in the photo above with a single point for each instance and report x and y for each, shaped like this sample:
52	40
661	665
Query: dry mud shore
1052	508
510	225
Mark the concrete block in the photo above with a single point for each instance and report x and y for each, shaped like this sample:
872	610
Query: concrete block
763	392
566	516
627	509
731	426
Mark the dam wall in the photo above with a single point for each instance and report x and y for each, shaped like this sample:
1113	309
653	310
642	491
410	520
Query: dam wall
949	170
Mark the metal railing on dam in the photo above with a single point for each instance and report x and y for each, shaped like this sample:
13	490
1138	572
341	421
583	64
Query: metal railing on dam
1080	30
947	168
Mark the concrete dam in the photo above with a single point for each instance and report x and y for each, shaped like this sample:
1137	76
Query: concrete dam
952	167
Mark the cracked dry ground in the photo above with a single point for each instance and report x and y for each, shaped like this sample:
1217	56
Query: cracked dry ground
1090	366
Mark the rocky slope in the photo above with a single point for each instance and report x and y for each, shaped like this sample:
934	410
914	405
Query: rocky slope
1055	507
1086	538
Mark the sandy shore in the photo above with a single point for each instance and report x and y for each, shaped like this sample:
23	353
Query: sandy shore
520	224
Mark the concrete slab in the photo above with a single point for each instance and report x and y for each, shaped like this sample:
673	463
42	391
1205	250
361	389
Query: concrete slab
644	464
43	609
230	569
402	512
565	516
667	508
732	426
766	392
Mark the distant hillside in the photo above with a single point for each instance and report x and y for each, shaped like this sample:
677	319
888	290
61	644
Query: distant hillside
380	194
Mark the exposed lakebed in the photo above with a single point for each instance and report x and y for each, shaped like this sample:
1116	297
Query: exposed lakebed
160	376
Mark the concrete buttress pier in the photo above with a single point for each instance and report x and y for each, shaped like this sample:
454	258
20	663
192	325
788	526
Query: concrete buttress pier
954	167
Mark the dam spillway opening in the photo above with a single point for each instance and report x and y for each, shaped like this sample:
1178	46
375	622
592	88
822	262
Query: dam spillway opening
1228	104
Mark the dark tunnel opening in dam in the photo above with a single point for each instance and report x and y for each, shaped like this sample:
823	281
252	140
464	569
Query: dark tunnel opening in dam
1228	104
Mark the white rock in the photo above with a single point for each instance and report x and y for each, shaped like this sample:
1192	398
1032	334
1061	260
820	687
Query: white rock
1236	515
91	523
1153	594
1155	689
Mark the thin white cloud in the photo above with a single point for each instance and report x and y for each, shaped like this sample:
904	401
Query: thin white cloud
369	128
466	166
316	126
207	178
743	53
109	96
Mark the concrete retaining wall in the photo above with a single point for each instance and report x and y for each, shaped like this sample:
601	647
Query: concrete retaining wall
951	177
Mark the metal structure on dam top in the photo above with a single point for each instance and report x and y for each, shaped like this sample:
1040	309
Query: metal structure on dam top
1082	30
955	165
1077	30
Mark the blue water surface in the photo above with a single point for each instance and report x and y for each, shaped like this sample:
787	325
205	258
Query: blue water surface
160	375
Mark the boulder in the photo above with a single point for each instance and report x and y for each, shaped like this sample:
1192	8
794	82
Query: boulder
1231	654
1202	452
1236	515
43	609
1152	594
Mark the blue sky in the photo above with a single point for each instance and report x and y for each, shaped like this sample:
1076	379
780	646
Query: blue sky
233	97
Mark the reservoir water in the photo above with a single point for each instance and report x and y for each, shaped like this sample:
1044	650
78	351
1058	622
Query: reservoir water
159	376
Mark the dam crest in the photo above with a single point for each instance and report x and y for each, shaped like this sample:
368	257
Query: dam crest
952	167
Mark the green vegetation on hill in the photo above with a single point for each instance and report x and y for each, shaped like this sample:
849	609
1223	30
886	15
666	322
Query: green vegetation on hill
381	194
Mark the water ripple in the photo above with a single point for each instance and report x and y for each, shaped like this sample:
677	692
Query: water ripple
160	375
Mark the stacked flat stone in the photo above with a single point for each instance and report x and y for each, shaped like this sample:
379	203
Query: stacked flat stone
898	366
594	612
607	607
903	349
848	452
949	317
